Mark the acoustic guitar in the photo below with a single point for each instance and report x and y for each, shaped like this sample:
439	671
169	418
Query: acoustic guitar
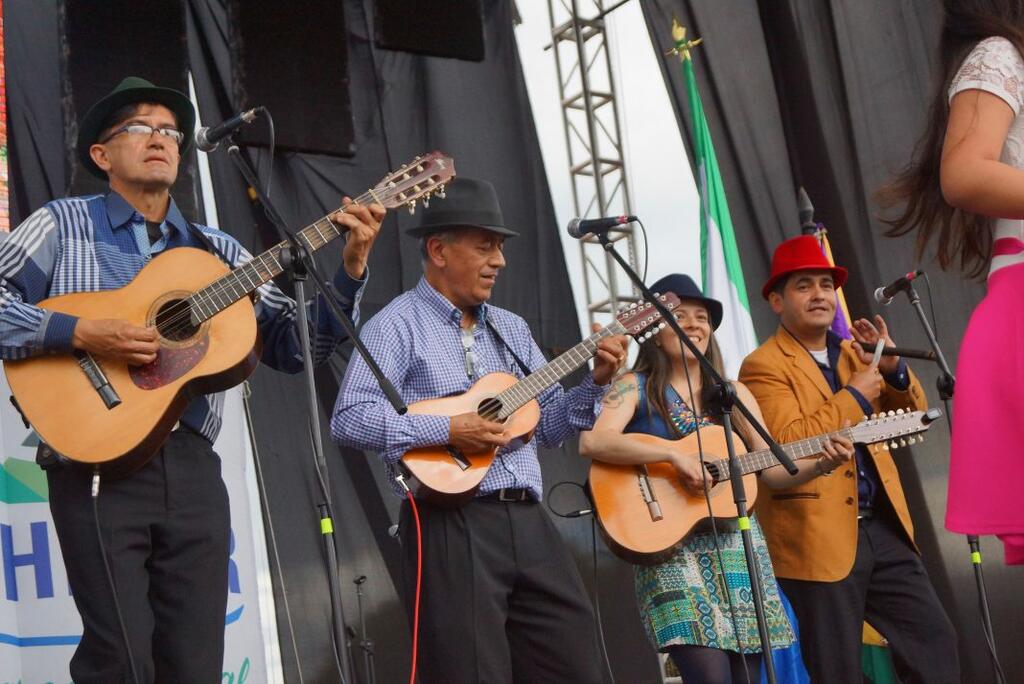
644	511
107	414
446	476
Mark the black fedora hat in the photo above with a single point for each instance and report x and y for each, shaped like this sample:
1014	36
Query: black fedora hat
683	287
468	202
132	89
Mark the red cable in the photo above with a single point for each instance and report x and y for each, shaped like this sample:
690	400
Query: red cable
419	579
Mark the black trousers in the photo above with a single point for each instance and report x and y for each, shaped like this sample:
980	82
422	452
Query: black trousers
889	587
502	598
166	530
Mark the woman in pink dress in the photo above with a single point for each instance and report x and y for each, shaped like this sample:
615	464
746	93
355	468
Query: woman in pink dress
965	188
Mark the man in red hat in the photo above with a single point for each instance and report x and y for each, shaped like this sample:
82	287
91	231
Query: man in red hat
842	543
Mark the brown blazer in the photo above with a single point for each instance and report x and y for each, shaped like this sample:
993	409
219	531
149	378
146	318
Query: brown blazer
812	528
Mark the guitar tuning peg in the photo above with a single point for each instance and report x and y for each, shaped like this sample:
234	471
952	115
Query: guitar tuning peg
872	416
891	414
426	200
440	192
893	445
903	442
412	207
900	412
406	176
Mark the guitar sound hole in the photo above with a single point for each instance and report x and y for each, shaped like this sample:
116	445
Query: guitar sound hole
490	409
174	320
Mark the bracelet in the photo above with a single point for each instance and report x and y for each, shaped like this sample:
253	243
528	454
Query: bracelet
821	470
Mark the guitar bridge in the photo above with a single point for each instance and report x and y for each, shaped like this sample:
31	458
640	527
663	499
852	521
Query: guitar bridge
647	492
458	457
98	379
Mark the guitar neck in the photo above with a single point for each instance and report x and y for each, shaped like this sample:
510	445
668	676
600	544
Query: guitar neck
245	279
756	461
527	389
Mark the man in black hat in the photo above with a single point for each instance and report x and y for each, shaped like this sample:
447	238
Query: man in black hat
502	599
166	527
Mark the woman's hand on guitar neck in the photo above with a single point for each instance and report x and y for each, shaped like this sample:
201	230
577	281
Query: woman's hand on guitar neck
116	339
470	433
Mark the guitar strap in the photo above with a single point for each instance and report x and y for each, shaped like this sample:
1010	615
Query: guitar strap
522	366
207	243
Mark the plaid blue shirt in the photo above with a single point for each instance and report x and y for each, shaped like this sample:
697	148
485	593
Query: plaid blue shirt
417	341
86	244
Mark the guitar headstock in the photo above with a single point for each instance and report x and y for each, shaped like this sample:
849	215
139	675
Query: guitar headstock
893	429
642	320
418	180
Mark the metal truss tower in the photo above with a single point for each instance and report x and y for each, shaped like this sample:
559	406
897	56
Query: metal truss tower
593	138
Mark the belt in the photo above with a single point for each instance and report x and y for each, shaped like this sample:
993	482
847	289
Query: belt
508	496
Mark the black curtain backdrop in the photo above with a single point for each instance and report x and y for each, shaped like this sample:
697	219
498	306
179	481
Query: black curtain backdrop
832	96
402	105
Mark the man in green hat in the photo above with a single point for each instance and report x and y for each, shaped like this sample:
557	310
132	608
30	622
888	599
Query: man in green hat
165	527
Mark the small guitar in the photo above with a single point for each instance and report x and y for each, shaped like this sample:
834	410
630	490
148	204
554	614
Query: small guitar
446	476
97	411
644	510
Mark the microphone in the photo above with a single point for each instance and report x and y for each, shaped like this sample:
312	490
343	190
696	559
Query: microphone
884	295
909	353
208	137
580	227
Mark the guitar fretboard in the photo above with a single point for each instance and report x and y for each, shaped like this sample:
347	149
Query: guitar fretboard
521	393
756	461
225	291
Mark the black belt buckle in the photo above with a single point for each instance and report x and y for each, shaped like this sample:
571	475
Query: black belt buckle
512	495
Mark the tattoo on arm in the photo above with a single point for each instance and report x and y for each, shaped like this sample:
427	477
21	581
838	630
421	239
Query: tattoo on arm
616	394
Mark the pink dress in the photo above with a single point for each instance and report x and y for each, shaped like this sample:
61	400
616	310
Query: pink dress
986	470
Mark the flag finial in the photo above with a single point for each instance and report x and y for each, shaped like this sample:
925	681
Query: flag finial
682	46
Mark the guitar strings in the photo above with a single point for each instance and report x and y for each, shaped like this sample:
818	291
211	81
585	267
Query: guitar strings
180	314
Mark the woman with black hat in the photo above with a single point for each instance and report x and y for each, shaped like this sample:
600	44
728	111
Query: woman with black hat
689	603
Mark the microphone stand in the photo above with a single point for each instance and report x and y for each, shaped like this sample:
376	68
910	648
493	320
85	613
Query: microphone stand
945	384
296	262
728	401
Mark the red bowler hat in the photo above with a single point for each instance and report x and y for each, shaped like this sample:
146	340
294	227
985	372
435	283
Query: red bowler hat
801	253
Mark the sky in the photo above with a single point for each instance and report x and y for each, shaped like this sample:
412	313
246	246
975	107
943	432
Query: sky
661	184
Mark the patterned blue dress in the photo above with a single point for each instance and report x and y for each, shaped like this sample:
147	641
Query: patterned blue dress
686	599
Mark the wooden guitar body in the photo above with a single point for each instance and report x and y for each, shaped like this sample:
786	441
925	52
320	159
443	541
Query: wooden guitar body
627	522
444	476
62	405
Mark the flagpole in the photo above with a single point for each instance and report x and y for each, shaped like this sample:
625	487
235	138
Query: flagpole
727	396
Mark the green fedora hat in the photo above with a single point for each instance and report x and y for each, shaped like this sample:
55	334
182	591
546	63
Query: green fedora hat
132	89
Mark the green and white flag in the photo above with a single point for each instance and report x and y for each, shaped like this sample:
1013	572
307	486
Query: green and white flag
721	271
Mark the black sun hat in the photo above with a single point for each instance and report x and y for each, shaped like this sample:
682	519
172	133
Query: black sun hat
132	89
683	286
468	202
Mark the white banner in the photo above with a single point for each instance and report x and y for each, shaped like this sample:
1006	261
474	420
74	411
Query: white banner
39	625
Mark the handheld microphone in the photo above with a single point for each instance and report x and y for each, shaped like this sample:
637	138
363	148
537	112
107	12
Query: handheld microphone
884	295
208	137
580	227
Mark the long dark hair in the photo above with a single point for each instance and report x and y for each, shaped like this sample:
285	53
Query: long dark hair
656	366
960	233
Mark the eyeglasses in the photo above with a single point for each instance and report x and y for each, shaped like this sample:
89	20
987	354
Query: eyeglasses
142	129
